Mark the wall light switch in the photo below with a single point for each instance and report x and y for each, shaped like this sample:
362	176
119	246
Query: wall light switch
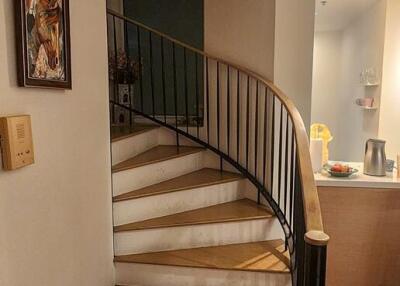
16	141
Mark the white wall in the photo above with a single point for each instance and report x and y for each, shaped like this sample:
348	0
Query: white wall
241	32
390	105
294	38
326	100
55	215
361	47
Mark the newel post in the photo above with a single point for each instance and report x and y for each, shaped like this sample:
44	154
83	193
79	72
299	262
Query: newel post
315	258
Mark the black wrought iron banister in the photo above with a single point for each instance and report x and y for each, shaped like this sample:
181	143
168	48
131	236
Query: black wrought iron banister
237	114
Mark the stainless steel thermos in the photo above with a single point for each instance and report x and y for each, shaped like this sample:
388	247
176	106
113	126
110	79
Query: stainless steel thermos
375	158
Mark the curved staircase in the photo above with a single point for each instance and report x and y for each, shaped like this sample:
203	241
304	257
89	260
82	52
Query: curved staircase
185	222
212	180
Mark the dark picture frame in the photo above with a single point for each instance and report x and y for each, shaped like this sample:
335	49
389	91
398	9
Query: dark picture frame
43	44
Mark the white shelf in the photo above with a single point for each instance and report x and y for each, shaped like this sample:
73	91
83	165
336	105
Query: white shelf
368	108
371	84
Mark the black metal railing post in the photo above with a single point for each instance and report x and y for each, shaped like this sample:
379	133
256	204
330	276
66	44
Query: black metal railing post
185	71
140	74
151	74
175	91
197	96
315	264
163	80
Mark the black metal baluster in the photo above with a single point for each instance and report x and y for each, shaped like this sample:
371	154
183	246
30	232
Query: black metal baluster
126	46
208	101
197	96
218	116
238	118
228	100
300	228
175	92
292	174
247	122
256	144
163	79
256	135
151	74
280	156
273	146
286	162
286	173
115	70
265	135
186	90
140	68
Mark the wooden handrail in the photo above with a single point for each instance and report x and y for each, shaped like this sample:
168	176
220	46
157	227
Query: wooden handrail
315	234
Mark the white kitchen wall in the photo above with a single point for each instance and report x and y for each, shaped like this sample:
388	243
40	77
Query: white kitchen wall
327	100
390	105
55	216
361	46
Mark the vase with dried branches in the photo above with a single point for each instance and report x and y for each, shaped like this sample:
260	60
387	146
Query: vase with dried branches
122	68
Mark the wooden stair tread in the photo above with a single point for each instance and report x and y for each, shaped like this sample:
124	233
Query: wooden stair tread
240	210
122	132
154	155
263	256
202	178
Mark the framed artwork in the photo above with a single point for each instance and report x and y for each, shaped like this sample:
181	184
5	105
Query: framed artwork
43	43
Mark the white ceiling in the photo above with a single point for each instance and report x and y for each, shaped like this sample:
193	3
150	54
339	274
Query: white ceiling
337	14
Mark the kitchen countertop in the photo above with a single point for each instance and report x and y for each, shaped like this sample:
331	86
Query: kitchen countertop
359	180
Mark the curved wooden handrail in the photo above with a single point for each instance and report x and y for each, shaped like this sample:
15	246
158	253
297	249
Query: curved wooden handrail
315	234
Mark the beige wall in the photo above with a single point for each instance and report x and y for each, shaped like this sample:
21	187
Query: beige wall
241	32
56	215
272	38
390	104
294	38
116	5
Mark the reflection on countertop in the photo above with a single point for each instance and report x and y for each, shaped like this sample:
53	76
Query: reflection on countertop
359	180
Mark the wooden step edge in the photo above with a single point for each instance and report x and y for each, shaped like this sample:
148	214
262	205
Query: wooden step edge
117	260
172	190
175	156
216	221
258	256
134	133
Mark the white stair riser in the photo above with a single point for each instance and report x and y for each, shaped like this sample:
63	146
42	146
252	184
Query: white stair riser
158	275
133	179
172	238
132	146
170	203
168	137
127	148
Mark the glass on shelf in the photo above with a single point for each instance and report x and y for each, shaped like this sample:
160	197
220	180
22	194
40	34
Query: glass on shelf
369	77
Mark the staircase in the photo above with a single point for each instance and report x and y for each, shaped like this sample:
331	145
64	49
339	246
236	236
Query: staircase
179	220
212	178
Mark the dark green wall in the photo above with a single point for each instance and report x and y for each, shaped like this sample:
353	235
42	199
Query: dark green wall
180	19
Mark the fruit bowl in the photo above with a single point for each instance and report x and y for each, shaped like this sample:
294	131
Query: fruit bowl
339	170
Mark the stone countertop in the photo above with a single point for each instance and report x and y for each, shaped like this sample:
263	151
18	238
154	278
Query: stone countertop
359	180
